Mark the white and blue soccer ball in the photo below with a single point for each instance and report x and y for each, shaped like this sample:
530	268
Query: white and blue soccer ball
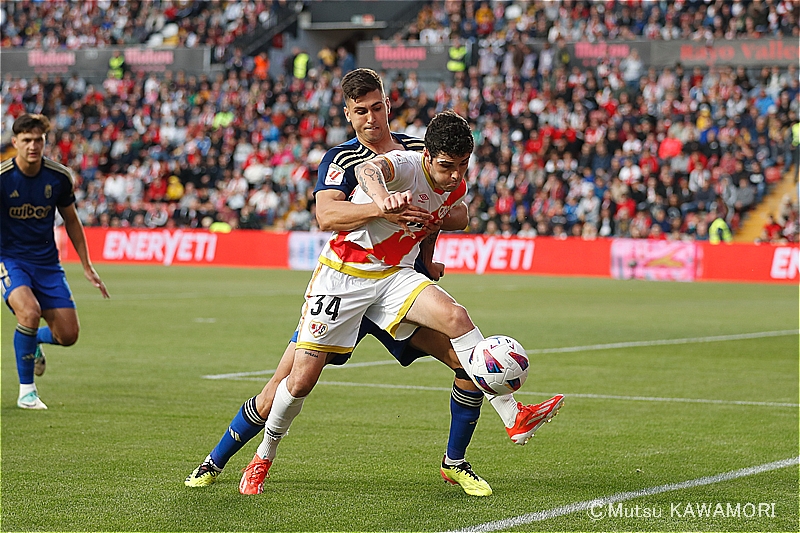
498	365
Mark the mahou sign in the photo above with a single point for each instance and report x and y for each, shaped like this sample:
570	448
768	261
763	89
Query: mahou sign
404	56
92	64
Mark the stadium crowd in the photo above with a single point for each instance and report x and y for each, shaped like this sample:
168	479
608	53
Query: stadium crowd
615	150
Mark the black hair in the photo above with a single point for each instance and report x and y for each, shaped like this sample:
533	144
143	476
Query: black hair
448	133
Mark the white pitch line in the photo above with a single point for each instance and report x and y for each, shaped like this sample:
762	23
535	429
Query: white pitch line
540	393
254	376
591	347
331	367
509	523
570	395
678	400
665	342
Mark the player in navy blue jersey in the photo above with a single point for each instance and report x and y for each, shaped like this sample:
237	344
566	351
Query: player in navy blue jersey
34	286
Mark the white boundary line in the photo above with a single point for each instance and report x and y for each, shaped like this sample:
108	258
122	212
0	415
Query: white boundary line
569	395
539	393
331	367
590	347
634	344
252	376
509	523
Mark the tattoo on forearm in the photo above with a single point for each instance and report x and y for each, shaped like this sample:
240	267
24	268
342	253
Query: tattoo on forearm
369	174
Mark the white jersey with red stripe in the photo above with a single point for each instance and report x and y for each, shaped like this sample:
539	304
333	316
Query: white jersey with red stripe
380	247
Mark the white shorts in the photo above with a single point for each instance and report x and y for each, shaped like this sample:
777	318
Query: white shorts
336	302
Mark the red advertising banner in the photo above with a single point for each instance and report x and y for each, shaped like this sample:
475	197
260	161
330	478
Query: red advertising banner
481	254
477	254
243	248
750	262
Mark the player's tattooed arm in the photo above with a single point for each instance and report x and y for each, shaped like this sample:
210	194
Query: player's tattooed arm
372	176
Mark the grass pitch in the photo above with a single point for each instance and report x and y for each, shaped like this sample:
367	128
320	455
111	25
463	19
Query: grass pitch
665	382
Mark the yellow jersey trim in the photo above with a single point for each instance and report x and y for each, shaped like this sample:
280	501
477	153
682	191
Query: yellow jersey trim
58	167
391	169
323	348
428	175
357	272
392	328
6	165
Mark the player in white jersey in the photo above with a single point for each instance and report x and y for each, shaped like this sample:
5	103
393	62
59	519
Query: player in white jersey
367	272
370	271
367	110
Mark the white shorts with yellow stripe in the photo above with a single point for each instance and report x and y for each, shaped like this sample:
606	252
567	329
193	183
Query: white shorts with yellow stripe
336	302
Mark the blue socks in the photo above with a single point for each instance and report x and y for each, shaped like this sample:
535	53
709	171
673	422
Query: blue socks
245	425
465	408
25	349
45	336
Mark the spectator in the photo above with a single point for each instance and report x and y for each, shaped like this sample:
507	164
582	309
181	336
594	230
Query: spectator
772	231
745	196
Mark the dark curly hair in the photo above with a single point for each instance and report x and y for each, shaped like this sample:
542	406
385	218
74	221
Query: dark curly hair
448	133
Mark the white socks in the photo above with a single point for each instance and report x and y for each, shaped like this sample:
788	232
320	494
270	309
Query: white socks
26	388
464	345
285	408
505	405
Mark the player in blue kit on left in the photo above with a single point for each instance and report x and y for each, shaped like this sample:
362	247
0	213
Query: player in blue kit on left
34	286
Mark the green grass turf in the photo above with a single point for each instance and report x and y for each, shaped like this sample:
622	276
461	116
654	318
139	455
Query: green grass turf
130	414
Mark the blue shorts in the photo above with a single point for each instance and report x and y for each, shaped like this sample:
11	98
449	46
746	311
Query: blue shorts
401	350
48	283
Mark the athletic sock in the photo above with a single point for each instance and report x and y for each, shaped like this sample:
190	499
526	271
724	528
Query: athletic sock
285	408
25	350
45	336
465	408
464	345
245	425
505	405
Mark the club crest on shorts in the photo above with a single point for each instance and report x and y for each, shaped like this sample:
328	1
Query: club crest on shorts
317	329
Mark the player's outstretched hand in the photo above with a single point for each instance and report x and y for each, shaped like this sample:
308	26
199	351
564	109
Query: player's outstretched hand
410	215
396	202
95	280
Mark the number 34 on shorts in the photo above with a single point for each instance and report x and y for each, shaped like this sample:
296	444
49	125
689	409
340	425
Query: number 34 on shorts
336	303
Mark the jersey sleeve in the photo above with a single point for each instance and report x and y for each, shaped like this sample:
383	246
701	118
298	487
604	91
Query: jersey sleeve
65	189
331	176
404	167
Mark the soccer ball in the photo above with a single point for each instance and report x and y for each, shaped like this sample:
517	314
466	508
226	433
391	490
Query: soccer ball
498	365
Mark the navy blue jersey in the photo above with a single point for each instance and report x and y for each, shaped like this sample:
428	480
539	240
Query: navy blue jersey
337	170
28	209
